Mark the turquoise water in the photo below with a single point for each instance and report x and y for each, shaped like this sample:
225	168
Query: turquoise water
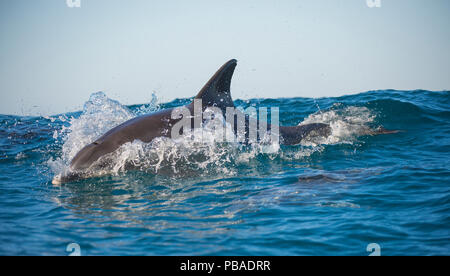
331	198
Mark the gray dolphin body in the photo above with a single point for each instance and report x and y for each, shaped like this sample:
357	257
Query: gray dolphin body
215	93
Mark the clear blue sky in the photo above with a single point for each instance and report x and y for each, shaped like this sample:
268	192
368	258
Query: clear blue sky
53	57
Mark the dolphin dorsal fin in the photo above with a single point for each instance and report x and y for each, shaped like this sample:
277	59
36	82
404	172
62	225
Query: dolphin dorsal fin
216	91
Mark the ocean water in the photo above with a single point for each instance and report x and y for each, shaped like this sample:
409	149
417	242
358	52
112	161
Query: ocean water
333	197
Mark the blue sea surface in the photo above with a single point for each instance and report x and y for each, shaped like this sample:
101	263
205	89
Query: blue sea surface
331	198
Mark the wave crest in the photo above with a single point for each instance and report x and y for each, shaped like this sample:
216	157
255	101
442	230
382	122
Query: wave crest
346	122
192	154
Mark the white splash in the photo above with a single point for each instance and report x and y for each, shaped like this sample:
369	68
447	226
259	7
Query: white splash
347	123
198	152
100	114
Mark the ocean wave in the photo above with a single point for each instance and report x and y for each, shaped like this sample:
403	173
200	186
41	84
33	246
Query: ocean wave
200	153
320	197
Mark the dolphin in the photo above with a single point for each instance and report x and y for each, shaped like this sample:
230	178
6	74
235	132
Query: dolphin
215	93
